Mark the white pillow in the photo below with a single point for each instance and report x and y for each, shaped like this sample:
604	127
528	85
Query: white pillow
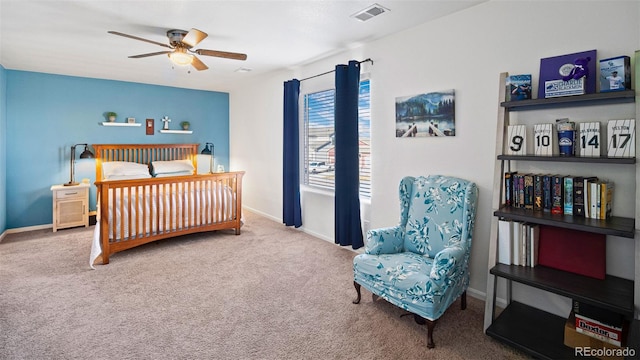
171	167
123	168
181	173
128	177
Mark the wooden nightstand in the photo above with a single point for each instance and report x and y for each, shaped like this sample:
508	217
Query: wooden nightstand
70	206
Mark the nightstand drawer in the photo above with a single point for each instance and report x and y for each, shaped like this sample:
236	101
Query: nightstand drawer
70	193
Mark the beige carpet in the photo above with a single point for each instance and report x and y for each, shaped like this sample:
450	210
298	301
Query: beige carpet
270	293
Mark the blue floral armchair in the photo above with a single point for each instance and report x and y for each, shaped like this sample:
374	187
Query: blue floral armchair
422	264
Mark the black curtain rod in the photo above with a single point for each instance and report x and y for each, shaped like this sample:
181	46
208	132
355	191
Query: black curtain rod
329	72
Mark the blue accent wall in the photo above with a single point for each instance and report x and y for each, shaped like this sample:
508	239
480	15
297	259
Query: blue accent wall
46	114
3	149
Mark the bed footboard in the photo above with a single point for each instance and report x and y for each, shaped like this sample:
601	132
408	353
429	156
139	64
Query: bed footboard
135	212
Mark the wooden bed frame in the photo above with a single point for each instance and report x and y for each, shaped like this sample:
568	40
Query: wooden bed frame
195	213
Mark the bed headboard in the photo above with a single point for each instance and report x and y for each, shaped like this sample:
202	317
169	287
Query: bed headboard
142	153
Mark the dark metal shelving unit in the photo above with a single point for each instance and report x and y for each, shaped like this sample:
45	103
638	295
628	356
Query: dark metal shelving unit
532	330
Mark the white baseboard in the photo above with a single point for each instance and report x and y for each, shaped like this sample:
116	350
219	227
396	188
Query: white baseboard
481	295
24	229
262	214
314	234
29	228
471	292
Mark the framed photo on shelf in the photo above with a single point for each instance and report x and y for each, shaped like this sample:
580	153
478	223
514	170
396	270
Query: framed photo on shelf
131	120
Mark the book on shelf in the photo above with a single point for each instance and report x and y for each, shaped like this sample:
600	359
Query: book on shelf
515	191
578	196
520	185
516	246
508	188
547	199
575	251
505	240
538	193
594	200
587	194
568	195
606	199
524	244
534	244
528	191
557	193
518	87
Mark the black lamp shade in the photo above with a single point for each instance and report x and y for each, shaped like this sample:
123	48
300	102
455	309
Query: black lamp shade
86	154
207	149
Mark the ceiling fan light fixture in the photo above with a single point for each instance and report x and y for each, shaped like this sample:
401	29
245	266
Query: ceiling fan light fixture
180	44
180	57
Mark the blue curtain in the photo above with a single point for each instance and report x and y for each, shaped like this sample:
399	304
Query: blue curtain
348	230
291	212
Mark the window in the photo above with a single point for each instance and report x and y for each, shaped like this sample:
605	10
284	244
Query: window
319	139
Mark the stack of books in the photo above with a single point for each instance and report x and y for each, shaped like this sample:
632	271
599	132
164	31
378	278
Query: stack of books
518	243
582	196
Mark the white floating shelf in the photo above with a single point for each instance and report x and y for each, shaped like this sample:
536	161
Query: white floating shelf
120	124
176	131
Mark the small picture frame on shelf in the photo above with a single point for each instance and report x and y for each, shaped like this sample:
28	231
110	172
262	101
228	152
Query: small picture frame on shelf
543	140
621	138
615	74
517	140
518	87
131	120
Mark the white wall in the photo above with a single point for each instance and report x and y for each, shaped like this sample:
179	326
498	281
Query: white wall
465	51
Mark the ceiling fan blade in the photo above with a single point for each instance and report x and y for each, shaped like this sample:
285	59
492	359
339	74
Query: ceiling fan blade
198	65
193	37
149	54
139	38
221	54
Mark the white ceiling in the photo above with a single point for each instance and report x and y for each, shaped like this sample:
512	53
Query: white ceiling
70	37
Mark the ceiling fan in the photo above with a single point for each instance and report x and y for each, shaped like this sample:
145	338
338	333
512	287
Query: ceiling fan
180	43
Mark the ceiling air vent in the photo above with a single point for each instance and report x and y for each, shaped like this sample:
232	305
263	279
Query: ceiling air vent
369	12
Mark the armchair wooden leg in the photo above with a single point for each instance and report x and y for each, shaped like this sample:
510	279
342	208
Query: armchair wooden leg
430	326
463	300
357	286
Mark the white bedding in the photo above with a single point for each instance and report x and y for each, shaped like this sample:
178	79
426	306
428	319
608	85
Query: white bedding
164	203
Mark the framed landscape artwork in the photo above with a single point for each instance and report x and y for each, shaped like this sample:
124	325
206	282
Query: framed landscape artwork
425	115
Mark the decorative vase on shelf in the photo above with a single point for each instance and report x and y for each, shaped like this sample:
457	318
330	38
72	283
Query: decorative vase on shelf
185	125
111	116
